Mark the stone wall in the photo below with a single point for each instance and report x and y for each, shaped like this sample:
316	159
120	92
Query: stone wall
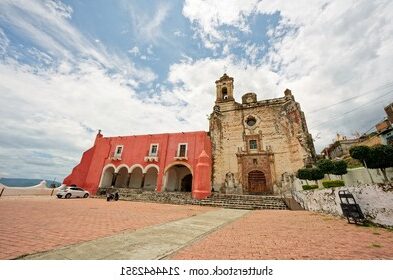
376	201
355	176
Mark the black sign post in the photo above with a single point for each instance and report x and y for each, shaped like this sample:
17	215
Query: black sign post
351	209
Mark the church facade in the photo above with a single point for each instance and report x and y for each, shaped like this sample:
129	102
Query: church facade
255	144
250	148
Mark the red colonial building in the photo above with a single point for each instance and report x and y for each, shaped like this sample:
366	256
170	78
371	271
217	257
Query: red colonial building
157	162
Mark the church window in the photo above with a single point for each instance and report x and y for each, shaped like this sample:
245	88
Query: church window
251	121
182	150
253	145
153	150
118	150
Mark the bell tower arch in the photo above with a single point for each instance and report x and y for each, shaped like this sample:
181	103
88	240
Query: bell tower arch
224	89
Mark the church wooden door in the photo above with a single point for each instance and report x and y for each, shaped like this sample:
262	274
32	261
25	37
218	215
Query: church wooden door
257	182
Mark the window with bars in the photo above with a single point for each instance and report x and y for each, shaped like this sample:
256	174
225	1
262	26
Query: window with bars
182	150
153	150
253	144
118	150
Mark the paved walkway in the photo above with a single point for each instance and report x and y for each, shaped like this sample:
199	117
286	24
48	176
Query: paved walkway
96	229
35	224
154	242
292	235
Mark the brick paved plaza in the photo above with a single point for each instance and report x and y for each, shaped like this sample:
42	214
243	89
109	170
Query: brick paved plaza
35	224
292	235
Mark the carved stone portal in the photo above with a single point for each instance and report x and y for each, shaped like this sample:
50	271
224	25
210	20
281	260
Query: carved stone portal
256	170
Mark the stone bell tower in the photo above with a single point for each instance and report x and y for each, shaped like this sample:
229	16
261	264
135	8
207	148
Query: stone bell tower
256	143
224	89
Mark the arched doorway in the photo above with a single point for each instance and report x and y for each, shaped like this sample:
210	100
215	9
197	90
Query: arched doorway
136	178
151	179
186	183
257	182
122	176
107	177
178	178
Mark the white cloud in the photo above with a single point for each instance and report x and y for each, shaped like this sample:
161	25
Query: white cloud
210	15
149	50
333	51
135	51
253	52
178	33
147	25
59	8
29	18
4	42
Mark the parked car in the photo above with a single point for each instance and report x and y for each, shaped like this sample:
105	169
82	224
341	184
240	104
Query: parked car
72	191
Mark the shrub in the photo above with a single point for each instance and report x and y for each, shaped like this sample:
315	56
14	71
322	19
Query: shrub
304	174
309	187
316	174
326	166
340	168
333	183
361	153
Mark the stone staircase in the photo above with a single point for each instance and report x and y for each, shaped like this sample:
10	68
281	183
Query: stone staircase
246	202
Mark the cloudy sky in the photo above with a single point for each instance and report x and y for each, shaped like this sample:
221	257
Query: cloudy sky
68	68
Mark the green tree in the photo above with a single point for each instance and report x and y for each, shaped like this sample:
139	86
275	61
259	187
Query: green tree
304	174
381	157
340	168
362	153
326	166
316	174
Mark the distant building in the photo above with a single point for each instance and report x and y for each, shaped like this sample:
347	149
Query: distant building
340	147
387	136
385	128
383	135
383	125
389	112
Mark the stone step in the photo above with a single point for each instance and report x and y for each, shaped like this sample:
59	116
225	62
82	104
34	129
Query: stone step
246	207
244	201
233	201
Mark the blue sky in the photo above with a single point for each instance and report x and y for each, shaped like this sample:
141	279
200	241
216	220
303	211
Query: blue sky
68	68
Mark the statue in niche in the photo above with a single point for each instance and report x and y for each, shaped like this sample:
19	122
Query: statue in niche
229	182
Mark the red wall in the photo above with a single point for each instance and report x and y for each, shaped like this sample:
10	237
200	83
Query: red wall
88	172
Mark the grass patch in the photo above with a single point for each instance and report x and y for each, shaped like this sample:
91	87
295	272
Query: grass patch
333	183
309	187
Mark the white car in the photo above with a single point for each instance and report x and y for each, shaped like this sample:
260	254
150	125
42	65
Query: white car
72	191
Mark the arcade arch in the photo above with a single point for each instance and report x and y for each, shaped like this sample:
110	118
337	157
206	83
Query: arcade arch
136	178
178	178
107	176
122	177
151	175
